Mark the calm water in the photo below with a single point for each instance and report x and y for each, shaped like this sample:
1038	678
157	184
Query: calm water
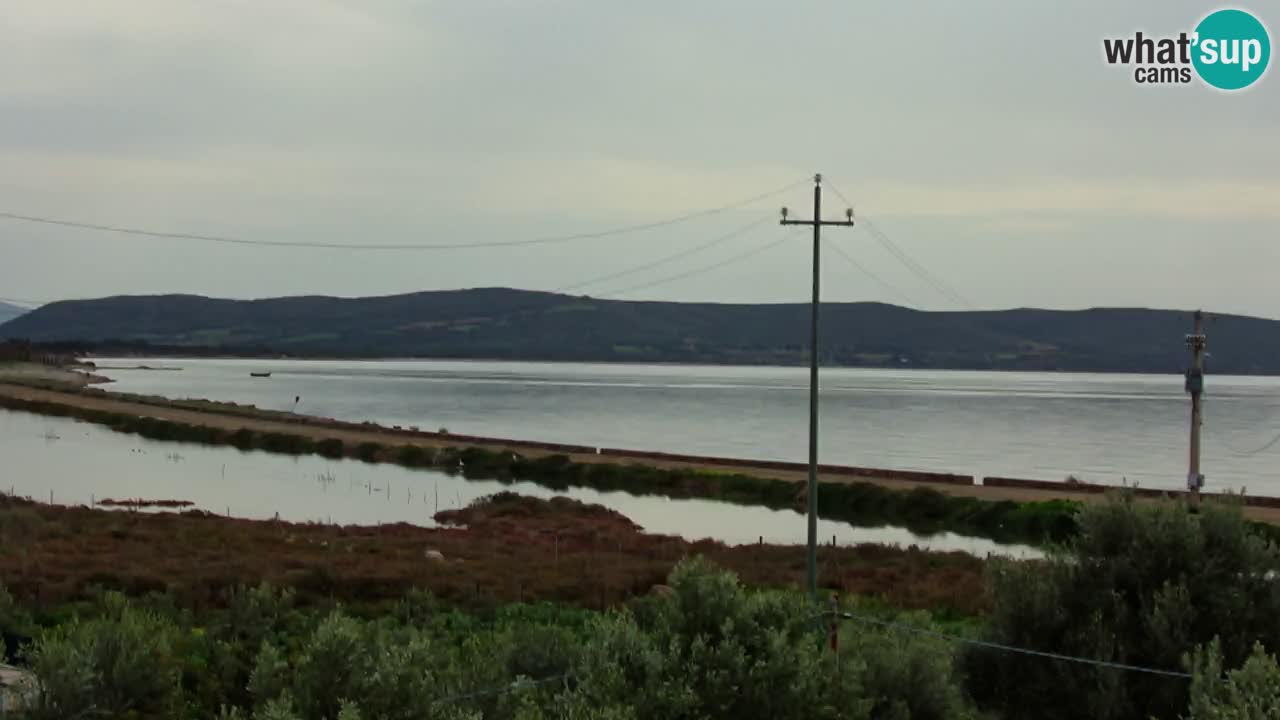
80	463
1100	428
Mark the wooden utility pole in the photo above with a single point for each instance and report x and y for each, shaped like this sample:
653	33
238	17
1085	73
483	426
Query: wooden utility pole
1195	386
817	222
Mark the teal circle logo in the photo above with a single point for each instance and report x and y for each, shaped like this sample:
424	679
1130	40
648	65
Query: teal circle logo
1232	49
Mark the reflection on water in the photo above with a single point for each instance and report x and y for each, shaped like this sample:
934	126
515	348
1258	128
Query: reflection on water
1099	428
80	463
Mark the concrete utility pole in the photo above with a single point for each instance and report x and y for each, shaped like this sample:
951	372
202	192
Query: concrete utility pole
817	222
1195	386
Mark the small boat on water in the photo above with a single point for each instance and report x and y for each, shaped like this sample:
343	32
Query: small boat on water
259	374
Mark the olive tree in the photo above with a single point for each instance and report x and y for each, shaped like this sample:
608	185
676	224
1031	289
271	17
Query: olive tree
1142	584
121	664
714	649
1251	692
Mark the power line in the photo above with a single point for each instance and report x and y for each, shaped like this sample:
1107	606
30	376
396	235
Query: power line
662	261
1246	453
1261	448
715	241
881	281
745	229
397	246
530	309
932	280
20	301
738	232
903	627
701	270
518	684
910	263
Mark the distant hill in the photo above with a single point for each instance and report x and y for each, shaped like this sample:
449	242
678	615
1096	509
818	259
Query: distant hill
9	312
516	324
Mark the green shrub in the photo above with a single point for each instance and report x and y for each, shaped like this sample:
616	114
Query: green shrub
368	451
15	622
331	666
253	617
118	665
483	463
907	676
413	456
330	447
348	668
285	443
539	650
242	439
714	649
1141	584
1251	692
269	680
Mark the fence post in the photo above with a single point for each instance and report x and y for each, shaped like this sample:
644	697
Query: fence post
835	624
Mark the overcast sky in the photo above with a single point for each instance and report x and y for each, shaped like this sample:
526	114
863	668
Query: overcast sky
989	140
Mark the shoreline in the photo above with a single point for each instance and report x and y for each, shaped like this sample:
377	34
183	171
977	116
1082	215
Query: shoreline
30	372
215	417
645	363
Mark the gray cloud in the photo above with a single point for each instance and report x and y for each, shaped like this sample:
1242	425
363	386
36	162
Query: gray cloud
990	140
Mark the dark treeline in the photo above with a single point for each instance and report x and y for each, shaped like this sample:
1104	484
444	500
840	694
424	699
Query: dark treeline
499	323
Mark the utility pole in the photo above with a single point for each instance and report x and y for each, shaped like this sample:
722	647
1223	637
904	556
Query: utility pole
1195	386
817	222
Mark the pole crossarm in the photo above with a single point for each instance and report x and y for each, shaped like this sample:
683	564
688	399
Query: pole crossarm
845	223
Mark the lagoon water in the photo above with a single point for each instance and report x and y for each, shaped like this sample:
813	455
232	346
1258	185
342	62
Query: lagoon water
77	463
1107	428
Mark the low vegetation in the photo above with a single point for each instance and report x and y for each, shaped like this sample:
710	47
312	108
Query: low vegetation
1143	587
141	503
513	548
711	648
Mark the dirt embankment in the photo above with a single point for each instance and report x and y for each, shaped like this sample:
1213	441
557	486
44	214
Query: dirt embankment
28	372
231	417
